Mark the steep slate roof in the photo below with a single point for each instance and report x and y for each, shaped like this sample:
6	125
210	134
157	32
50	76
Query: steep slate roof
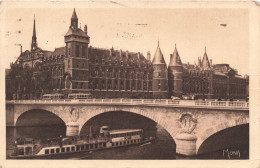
175	59
77	32
59	51
74	15
158	56
219	73
132	58
106	52
205	61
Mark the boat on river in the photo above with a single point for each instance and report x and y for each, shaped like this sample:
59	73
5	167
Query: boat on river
28	148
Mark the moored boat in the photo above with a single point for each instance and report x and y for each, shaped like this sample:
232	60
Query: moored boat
67	147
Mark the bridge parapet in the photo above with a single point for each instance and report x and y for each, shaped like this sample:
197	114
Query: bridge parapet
234	105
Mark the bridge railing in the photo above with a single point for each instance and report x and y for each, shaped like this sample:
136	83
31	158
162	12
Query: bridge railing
163	102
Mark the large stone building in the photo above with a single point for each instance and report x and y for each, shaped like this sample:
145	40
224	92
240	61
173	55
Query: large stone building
109	73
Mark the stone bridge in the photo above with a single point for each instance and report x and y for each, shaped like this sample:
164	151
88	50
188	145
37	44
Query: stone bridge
189	122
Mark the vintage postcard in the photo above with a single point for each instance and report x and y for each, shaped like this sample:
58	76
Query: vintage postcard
120	84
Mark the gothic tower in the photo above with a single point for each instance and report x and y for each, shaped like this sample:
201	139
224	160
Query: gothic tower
160	81
175	71
205	66
34	44
76	77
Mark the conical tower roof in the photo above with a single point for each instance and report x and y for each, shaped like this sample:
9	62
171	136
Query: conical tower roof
74	15
158	56
205	61
175	59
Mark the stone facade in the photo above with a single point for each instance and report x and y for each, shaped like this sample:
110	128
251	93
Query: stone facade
109	73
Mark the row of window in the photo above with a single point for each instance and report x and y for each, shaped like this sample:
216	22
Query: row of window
126	134
77	51
122	85
87	147
128	63
75	148
120	73
194	87
53	59
191	73
126	142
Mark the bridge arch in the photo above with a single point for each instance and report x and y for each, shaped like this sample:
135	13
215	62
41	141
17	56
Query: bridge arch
40	118
214	129
137	111
232	138
21	111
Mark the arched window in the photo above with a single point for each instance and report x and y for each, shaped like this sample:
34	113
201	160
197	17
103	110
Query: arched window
121	85
109	86
115	73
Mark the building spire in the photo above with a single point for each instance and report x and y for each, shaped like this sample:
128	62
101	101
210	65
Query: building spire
205	60
74	20
34	38
74	15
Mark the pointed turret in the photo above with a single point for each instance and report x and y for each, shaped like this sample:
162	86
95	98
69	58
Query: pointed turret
175	59
205	61
74	15
34	44
158	56
199	61
175	71
160	78
74	20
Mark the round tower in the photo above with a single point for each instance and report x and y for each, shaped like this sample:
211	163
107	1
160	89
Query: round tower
160	79
175	71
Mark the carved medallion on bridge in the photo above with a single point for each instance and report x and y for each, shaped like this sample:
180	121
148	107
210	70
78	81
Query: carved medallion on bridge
74	114
188	123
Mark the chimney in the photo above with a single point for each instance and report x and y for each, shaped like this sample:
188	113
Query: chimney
210	62
90	48
21	49
126	54
148	56
138	55
120	53
86	29
111	51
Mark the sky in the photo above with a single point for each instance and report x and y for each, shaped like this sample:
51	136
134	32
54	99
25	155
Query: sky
138	30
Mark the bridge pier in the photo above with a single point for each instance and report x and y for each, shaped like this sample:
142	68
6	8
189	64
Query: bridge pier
72	129
186	144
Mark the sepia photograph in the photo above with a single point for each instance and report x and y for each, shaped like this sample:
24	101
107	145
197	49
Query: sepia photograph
153	81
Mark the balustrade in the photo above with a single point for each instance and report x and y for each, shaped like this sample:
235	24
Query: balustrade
165	102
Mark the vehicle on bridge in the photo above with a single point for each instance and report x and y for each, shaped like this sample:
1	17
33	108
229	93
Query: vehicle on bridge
28	148
53	96
70	96
80	96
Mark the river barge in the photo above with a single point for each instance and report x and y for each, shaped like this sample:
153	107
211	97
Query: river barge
68	146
